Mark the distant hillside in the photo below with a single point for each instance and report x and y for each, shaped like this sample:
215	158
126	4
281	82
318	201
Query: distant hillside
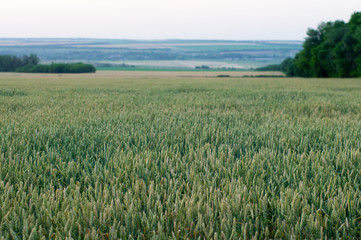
242	54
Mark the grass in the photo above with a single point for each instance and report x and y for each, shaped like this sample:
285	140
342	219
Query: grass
183	65
168	69
102	157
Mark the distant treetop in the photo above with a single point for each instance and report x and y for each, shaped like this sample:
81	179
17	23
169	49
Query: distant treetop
331	50
30	64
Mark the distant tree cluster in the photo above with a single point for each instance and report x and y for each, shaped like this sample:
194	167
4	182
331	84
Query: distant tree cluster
273	67
10	63
109	65
30	64
58	68
331	50
202	67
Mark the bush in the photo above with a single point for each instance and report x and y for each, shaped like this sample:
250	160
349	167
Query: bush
10	63
58	68
30	64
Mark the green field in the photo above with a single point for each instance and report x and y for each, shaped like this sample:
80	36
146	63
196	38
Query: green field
166	69
154	53
113	157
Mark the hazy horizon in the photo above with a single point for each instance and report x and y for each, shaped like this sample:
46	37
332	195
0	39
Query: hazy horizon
152	40
167	20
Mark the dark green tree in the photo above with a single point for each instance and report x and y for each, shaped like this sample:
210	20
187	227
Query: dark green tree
331	50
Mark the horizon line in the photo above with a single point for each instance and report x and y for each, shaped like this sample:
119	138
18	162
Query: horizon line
149	39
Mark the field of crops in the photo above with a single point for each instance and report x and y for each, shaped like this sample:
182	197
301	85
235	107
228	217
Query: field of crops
132	157
155	53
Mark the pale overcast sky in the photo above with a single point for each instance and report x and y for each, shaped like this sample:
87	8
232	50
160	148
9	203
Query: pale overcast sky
170	19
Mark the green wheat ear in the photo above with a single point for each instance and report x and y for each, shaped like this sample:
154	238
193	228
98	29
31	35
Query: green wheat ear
181	158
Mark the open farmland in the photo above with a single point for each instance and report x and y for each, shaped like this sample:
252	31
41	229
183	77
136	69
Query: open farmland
181	54
179	155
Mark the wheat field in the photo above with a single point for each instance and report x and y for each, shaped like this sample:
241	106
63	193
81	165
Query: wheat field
138	156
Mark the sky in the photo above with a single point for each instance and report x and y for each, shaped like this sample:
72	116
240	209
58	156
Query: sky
169	19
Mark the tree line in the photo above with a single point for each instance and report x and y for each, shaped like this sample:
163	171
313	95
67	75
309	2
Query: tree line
30	64
331	50
10	63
